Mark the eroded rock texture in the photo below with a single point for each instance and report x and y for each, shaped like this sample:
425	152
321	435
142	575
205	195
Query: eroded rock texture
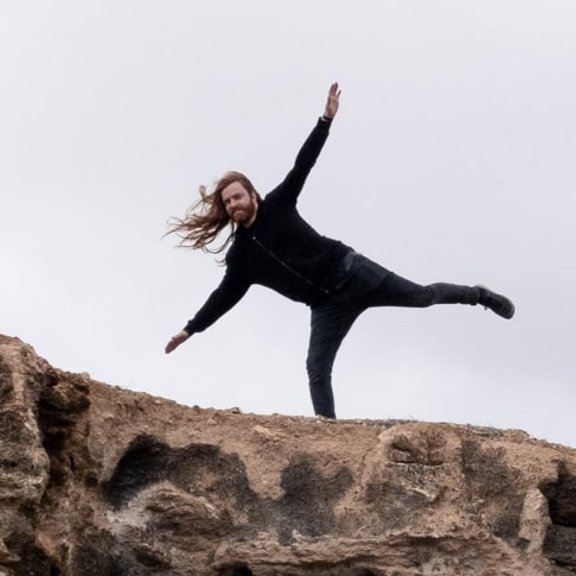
98	481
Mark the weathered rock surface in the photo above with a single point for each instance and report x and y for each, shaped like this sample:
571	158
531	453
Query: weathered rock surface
95	480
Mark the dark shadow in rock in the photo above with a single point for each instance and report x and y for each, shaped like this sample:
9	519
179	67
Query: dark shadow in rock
34	562
144	463
489	478
199	469
100	554
309	499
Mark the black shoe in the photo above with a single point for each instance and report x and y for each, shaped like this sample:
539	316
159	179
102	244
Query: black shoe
496	302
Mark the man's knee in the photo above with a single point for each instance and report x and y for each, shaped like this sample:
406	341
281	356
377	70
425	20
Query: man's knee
428	296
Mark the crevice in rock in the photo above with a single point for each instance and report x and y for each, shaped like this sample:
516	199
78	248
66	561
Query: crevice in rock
560	540
561	496
236	570
59	410
61	416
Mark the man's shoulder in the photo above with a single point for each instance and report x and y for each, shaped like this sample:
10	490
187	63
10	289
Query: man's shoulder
277	201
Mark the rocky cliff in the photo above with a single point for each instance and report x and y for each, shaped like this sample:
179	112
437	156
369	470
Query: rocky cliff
96	480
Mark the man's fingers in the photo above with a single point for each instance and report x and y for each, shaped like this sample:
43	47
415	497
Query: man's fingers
175	341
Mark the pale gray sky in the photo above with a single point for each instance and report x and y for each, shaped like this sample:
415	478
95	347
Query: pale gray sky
451	159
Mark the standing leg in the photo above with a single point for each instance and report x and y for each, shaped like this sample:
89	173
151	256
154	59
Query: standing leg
329	325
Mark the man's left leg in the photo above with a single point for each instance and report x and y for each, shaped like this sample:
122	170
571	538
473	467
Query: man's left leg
329	325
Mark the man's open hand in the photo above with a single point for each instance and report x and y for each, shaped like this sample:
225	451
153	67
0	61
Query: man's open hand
333	101
176	340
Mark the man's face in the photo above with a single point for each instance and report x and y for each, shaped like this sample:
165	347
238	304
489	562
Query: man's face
240	204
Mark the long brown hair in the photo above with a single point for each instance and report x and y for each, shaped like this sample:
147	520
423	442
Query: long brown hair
205	219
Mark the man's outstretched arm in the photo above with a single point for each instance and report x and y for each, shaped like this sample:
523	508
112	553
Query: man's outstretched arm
225	297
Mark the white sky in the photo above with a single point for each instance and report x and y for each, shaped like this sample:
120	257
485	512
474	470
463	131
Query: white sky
451	159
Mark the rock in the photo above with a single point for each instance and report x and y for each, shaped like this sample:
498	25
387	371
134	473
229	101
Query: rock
95	480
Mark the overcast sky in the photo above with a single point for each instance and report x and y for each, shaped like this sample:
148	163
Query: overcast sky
451	159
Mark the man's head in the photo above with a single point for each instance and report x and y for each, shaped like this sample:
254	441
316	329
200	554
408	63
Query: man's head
238	198
233	202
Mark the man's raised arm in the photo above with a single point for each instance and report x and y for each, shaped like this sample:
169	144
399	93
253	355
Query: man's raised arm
333	102
289	189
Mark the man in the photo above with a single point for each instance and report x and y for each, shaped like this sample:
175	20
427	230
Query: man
273	246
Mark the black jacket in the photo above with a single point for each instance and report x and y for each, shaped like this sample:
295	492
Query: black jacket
280	250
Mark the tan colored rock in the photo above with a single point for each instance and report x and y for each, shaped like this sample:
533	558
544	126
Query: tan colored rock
95	480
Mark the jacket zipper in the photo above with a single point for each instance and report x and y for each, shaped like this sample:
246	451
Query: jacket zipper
288	267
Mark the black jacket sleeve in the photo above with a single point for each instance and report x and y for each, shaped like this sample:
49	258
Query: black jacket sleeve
226	296
289	189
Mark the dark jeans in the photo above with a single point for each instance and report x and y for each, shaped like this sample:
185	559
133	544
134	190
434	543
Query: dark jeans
363	284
